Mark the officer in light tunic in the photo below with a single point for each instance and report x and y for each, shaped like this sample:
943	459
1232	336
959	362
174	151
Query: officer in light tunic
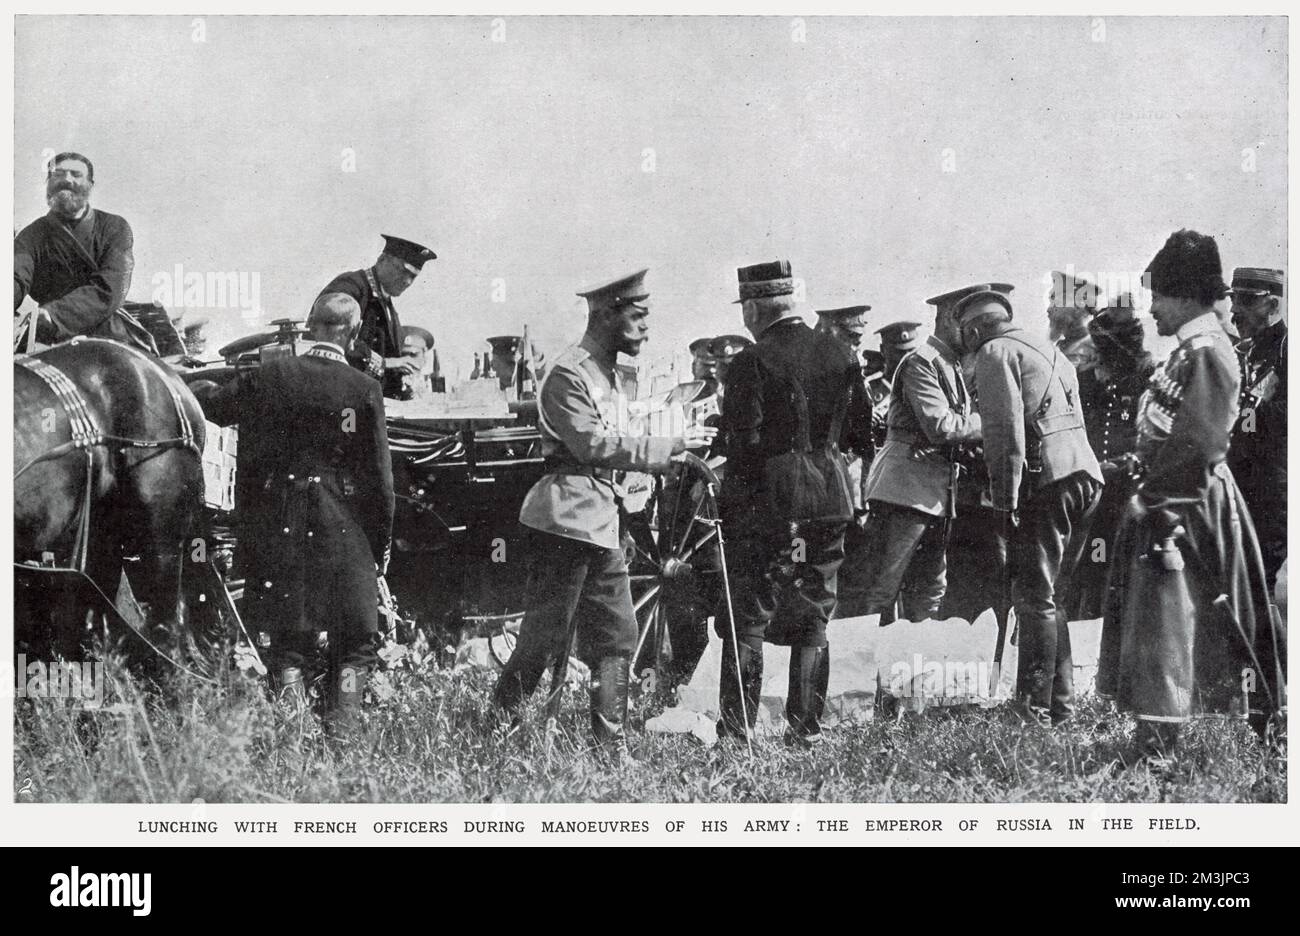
578	575
911	488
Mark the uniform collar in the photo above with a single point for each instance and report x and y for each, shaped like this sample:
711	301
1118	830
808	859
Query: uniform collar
602	356
379	285
326	349
944	349
1207	323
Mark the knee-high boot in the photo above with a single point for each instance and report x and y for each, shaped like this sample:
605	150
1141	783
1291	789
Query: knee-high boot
609	682
810	673
734	722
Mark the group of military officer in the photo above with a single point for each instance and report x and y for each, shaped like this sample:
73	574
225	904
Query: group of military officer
826	453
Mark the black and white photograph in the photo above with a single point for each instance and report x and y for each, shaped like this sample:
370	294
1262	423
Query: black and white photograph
675	410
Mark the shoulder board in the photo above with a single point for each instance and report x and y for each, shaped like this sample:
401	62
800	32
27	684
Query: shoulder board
572	356
926	352
1196	342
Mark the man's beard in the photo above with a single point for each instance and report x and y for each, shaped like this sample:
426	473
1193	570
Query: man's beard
67	199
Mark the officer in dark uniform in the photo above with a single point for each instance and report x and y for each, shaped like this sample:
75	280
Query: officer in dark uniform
689	600
847	326
1044	481
911	489
315	503
1257	456
704	366
578	576
724	349
1110	392
378	348
792	392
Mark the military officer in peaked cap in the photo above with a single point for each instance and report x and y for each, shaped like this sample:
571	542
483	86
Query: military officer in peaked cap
896	339
378	348
783	567
1044	482
704	366
1257	456
724	349
911	489
578	580
847	324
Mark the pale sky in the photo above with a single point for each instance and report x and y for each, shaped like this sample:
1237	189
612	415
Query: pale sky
887	159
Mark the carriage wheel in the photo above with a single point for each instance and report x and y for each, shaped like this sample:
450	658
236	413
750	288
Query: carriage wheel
672	550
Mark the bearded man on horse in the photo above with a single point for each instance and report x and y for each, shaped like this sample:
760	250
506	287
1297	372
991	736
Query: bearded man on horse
76	262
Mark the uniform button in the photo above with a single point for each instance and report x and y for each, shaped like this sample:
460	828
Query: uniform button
286	529
290	477
310	533
266	584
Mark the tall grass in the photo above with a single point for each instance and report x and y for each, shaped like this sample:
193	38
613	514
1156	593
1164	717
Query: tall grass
430	735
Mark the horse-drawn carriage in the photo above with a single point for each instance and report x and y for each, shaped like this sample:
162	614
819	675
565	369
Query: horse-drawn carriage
460	476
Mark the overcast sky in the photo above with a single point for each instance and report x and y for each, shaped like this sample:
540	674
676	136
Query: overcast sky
888	159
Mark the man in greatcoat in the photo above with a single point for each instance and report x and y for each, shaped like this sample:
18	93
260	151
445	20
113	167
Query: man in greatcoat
794	391
315	502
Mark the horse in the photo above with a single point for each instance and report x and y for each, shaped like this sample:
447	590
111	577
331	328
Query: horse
108	475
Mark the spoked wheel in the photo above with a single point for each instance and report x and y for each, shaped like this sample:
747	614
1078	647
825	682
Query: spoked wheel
673	566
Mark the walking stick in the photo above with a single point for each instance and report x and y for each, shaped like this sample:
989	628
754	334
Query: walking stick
731	623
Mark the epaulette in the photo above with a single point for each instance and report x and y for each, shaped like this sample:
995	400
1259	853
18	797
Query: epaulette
375	365
926	352
572	356
1196	342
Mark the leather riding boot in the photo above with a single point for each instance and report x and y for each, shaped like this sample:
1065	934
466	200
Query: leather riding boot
609	682
733	722
349	687
810	673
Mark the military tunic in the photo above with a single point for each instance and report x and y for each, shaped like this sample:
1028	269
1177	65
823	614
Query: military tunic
315	494
577	570
1040	464
1200	638
912	485
380	335
1110	404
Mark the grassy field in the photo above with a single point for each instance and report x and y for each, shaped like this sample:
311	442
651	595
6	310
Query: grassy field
430	736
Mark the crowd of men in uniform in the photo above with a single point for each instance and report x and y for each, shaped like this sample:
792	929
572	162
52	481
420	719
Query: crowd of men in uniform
851	486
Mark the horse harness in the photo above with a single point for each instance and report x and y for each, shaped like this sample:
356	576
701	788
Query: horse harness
87	435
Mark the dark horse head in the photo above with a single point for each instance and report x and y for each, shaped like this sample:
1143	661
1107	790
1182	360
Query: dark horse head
108	472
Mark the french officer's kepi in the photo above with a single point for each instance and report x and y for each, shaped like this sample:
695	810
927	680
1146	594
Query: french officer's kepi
1257	281
765	280
409	252
901	336
626	290
851	318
